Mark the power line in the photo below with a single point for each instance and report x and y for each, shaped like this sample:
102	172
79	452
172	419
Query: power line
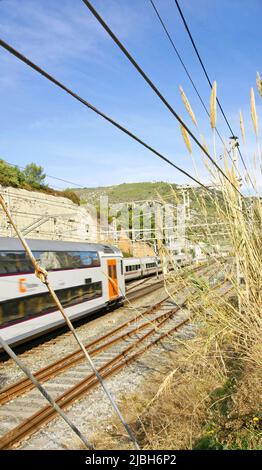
209	81
179	57
201	62
154	88
187	72
31	64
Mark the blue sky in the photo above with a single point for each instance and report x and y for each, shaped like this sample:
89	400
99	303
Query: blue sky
41	123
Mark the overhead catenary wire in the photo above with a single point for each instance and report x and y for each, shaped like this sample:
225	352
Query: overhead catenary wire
180	59
202	64
155	89
210	83
42	275
186	70
97	111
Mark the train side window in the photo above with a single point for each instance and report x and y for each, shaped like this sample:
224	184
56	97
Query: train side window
150	265
89	258
52	260
47	259
14	262
121	264
114	268
37	304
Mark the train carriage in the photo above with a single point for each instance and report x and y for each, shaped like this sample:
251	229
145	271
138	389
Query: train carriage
86	277
132	268
150	264
135	268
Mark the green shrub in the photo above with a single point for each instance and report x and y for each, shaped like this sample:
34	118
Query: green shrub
31	179
70	195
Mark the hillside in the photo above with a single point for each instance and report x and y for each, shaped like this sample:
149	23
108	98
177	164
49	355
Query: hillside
164	192
126	192
131	192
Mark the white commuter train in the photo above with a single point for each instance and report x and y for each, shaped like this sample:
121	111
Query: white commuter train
86	277
140	267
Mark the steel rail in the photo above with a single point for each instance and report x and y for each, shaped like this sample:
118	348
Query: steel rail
30	425
141	291
136	283
13	391
54	369
46	414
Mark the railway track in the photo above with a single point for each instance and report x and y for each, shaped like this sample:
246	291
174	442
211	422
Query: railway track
93	347
24	412
145	287
139	288
149	285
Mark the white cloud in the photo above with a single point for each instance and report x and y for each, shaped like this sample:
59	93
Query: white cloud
56	33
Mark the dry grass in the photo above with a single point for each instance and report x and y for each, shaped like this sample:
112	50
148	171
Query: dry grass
228	350
213	106
259	84
188	106
242	127
254	111
210	399
211	396
186	138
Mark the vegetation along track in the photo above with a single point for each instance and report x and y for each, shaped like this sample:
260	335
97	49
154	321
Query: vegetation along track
114	352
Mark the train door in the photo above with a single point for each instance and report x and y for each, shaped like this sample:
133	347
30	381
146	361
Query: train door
112	278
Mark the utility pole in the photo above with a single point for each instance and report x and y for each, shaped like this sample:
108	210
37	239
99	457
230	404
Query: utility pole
183	214
156	257
234	155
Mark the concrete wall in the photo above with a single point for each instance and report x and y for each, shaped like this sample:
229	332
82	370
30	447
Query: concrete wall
51	217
